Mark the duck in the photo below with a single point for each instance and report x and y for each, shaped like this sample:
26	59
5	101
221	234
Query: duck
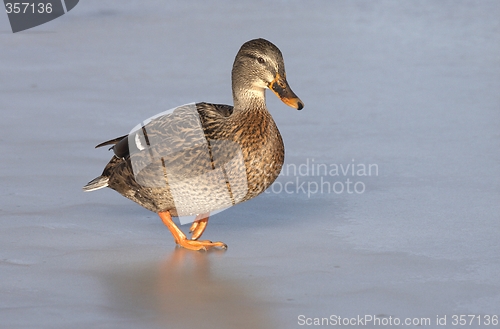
186	161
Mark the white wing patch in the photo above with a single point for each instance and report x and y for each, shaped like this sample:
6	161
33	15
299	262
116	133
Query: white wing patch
138	142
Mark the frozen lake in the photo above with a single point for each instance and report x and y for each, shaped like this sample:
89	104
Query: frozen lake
409	91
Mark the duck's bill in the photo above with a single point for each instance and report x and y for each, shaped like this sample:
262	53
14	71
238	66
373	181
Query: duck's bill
281	88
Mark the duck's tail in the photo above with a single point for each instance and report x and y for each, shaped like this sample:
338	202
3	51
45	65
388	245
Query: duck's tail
96	183
120	151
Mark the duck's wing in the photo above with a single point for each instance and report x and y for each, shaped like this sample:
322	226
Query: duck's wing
174	161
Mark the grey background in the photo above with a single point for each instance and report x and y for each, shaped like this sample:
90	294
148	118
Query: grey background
411	86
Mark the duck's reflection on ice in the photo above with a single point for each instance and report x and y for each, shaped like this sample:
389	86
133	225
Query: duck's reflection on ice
180	292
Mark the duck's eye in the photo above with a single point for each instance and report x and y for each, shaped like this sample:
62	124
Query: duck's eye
261	60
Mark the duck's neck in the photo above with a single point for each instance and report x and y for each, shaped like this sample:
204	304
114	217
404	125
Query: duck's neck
246	100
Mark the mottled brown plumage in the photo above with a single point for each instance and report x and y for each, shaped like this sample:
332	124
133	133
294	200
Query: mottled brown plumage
247	129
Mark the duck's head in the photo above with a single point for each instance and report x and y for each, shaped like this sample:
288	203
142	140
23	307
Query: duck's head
258	66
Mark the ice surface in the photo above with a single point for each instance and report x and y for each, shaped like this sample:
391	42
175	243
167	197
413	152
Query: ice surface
411	87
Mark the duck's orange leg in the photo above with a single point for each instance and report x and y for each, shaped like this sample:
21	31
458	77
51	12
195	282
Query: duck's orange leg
180	238
199	225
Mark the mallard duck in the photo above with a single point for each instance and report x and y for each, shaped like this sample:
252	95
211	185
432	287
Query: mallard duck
244	131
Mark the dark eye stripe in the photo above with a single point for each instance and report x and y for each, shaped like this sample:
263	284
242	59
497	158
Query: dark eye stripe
257	58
